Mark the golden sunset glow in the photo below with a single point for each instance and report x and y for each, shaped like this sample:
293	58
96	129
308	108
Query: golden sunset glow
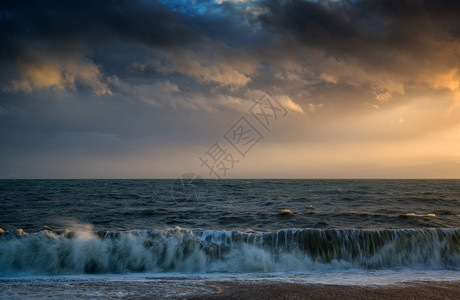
367	90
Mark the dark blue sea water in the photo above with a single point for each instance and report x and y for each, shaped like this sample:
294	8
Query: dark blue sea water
296	230
229	204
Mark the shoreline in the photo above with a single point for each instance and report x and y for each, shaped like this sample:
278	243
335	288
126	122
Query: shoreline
209	290
413	290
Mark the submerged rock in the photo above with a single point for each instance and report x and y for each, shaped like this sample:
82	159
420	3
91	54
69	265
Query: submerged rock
285	212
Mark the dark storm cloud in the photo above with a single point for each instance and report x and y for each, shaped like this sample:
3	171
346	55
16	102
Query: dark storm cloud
91	22
57	44
384	48
383	33
369	31
93	39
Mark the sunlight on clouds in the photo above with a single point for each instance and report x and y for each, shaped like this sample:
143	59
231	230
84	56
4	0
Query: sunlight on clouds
289	104
350	72
168	94
39	76
219	64
382	97
456	104
254	95
449	80
414	140
329	78
431	156
314	107
418	117
59	76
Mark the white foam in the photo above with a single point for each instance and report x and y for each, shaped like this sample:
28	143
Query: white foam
337	277
178	250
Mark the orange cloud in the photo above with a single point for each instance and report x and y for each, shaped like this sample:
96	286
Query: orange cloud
58	76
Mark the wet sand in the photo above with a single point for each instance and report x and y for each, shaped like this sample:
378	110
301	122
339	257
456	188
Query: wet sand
416	290
207	290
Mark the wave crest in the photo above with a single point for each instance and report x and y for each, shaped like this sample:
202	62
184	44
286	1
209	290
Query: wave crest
180	250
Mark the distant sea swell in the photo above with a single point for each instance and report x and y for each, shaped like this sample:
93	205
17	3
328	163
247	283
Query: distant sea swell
230	204
180	250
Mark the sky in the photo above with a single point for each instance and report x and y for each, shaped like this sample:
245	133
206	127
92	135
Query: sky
230	89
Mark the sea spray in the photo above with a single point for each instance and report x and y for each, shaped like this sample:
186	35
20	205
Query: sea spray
180	250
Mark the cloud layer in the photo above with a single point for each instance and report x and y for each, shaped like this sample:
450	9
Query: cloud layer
179	72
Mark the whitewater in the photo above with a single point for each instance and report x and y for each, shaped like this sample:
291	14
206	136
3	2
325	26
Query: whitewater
152	238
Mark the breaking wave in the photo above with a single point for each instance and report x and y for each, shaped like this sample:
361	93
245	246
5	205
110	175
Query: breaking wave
180	250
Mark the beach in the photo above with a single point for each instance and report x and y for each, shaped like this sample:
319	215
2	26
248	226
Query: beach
416	290
208	290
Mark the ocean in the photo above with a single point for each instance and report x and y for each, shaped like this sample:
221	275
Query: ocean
169	237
